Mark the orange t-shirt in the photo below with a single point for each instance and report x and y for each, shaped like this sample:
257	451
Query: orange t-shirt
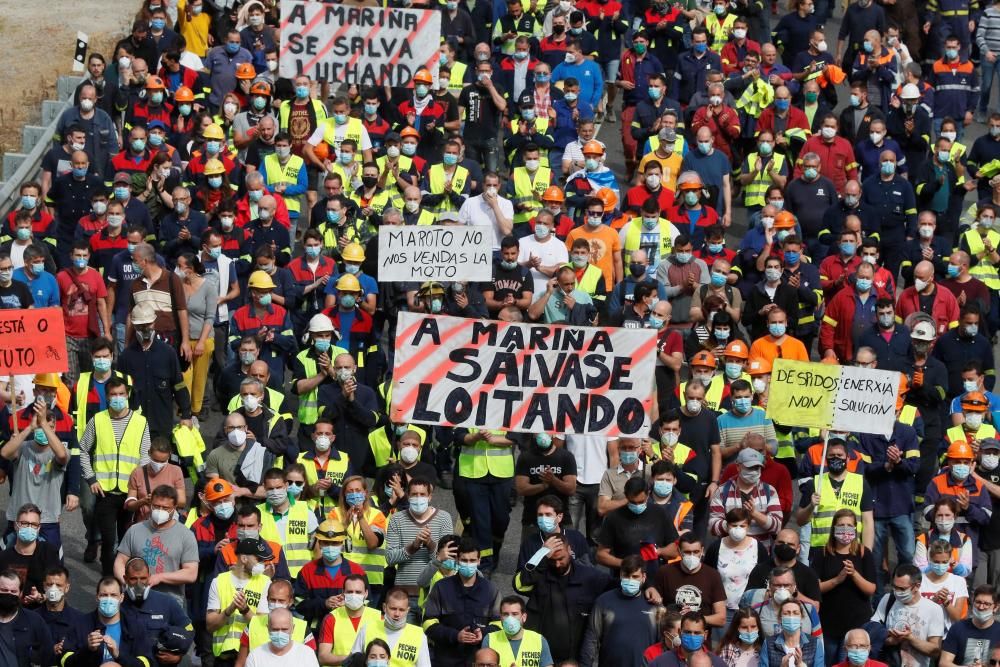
790	348
604	243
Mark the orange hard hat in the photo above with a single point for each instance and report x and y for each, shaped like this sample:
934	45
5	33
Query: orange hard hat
423	76
904	386
608	198
409	132
975	401
737	349
784	220
245	71
830	361
554	193
690	184
759	366
260	88
184	94
703	358
217	489
593	147
959	449
321	150
154	82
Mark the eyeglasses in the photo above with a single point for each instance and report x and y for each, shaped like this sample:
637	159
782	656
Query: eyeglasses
28	524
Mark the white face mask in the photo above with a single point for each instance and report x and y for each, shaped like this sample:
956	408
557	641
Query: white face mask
409	454
322	443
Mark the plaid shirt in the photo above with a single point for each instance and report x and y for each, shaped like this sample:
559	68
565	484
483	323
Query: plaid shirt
765	500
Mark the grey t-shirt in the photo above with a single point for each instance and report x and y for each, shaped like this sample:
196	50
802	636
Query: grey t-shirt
164	550
37	479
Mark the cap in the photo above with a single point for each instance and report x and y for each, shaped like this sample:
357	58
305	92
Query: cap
759	366
156	124
922	331
447	216
143	313
431	287
331	530
959	449
392	136
174	639
738	349
217	489
526	100
784	220
47	380
260	280
123	177
703	358
320	323
989	443
750	457
975	401
258	548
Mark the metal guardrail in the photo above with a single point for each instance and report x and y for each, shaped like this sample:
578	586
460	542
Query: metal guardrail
36	140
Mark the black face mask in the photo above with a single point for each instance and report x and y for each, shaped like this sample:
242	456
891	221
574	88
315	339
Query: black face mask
369	181
8	603
784	552
637	270
836	466
558	29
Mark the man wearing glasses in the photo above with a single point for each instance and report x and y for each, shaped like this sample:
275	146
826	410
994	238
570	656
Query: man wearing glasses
30	557
968	641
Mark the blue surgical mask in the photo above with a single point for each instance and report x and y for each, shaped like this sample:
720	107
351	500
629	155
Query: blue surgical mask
40	437
511	625
138	145
863	284
157	24
627	458
340	118
419	505
108	607
122	193
868	46
156	139
213	146
467	570
715	249
321	345
302	92
776	329
79	172
547	524
960	471
331	553
718	279
791	623
655	93
722	334
700	48
27	534
348	300
637	508
102	364
663	488
742	404
792	258
450	159
215	182
80	262
749	637
951	54
29	202
939	568
692	642
810	173
656	322
847	248
857	656
541	78
118	403
333	216
279	639
631	587
355	498
888	168
782	105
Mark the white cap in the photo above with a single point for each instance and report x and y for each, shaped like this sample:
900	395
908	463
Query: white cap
143	313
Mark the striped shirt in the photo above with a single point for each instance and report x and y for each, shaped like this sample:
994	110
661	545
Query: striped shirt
988	32
765	500
88	443
403	529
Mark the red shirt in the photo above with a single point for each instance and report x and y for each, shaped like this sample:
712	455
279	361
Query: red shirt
836	160
326	631
78	294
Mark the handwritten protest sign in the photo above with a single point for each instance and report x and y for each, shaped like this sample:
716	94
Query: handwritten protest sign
32	341
486	374
435	252
367	46
843	398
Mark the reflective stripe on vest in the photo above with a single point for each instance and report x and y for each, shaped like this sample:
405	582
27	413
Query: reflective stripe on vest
113	462
457	81
354	131
372	561
436	178
529	653
983	270
634	239
529	192
344	633
336	470
227	638
848	498
295	541
407	648
753	192
289	173
480	459
258	634
958	433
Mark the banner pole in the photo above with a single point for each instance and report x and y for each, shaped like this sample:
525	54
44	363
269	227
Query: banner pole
822	464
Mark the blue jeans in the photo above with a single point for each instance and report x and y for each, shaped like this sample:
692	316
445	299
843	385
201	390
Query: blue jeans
489	515
902	535
990	70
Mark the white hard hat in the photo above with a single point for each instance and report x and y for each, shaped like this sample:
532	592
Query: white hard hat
922	331
910	92
320	323
143	313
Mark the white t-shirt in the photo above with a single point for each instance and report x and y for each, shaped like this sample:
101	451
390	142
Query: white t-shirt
475	211
214	604
955	584
339	135
924	619
299	655
591	454
392	638
552	253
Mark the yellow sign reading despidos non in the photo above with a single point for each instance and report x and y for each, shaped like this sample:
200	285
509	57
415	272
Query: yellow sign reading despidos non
802	393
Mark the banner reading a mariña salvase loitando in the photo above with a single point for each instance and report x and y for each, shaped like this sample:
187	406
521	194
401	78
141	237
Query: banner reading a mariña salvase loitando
368	46
486	374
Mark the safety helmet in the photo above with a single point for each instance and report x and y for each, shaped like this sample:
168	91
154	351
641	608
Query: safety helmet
423	76
154	82
703	358
759	366
50	380
959	449
348	283
353	252
260	280
909	92
331	530
213	131
608	198
784	220
184	94
593	147
320	323
689	180
974	401
409	132
260	88
922	331
737	349
143	313
217	489
213	167
245	71
430	288
554	194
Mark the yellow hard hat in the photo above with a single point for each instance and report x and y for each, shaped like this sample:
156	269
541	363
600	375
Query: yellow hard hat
260	280
47	380
213	131
213	167
331	530
353	252
348	283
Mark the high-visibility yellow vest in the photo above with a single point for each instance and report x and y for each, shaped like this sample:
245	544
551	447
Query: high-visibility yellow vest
754	191
344	633
958	433
83	390
713	392
437	178
309	402
355	130
719	30
592	278
832	502
404	163
907	415
481	459
407	649
285	112
275	401
289	173
681	454
529	653
112	461
635	231
336	470
426	590
258	633
983	269
786	444
295	541
380	201
529	192
457	81
227	638
372	561
654	143
541	127
381	448
190	447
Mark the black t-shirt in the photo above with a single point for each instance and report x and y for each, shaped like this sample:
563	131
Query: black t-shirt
625	533
844	606
699	433
532	463
515	281
57	161
806	580
15	295
31	569
482	117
